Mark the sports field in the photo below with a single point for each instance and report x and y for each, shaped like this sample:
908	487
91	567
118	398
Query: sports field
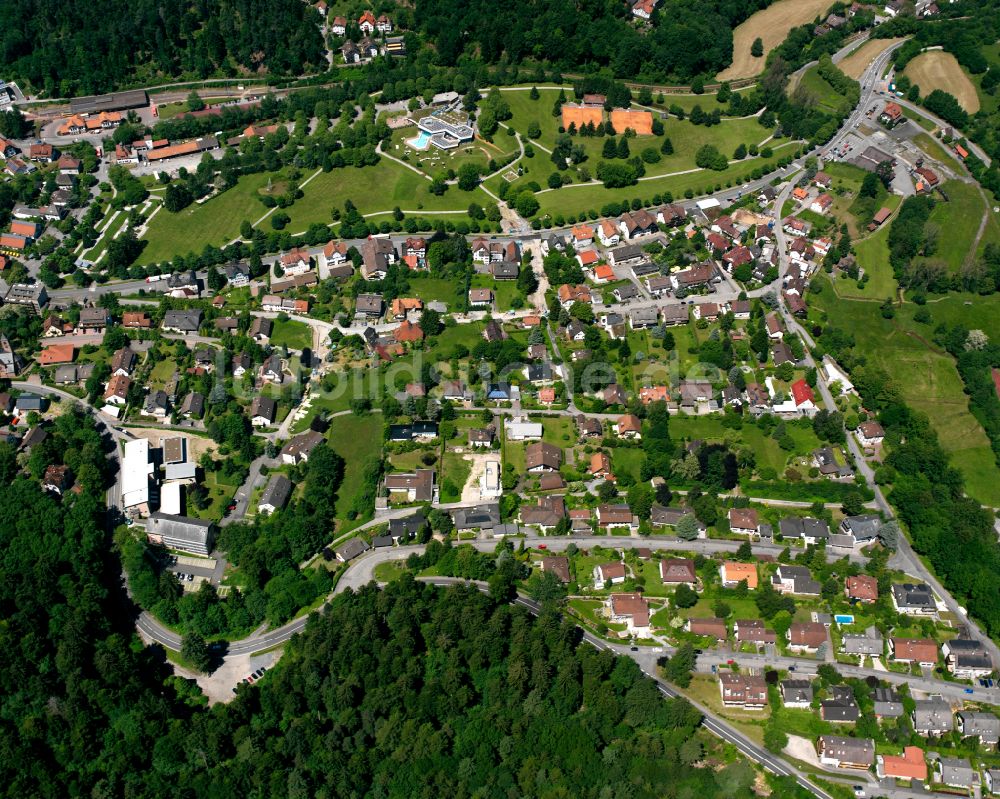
771	25
858	61
580	115
940	70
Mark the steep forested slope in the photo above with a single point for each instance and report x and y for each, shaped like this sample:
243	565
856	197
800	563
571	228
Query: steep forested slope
409	692
99	45
688	37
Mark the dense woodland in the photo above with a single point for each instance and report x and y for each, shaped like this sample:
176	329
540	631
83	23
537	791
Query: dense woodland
414	691
67	49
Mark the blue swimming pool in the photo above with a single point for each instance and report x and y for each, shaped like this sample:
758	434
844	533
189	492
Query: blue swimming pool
420	141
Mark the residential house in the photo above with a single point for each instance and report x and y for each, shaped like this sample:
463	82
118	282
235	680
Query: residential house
193	406
863	645
640	318
416	486
632	609
262	411
583	235
795	580
610	517
744	521
605	573
710	627
806	636
870	434
276	494
979	724
298	448
182	322
351	549
136	320
540	456
569	294
634	224
862	529
734	572
887	703
369	305
932	717
841	707
600	466
805	529
557	565
546	513
956	772
796	693
753	631
922	651
117	390
913	600
377	254
967	658
674	571
479	517
480	297
157	404
862	588
841	752
608	233
629	426
743	690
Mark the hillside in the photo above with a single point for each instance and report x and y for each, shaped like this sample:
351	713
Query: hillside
50	46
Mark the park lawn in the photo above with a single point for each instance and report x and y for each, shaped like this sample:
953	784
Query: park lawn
957	221
873	256
707	101
214	222
358	440
580	198
374	189
220	493
455	471
435	289
926	375
558	430
627	460
291	334
351	384
107	236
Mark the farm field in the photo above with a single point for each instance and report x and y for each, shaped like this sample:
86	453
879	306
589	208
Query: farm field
859	59
772	26
926	375
940	70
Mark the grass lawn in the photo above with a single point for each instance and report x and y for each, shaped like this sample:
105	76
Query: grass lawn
824	95
504	291
214	222
927	375
558	430
513	455
934	148
957	221
435	289
590	611
107	236
291	334
627	460
358	440
873	257
454	472
577	198
219	492
373	189
464	335
162	372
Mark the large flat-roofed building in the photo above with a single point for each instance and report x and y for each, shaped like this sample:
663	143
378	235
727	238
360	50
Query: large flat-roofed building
137	469
116	101
180	532
444	134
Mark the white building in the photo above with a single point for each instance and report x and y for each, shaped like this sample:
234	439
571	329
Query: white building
489	483
136	471
519	430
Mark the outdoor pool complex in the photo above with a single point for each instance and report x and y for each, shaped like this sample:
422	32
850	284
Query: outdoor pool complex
421	141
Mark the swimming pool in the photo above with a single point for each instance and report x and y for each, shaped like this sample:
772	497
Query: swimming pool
421	141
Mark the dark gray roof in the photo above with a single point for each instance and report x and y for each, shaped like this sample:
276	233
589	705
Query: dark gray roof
180	528
908	595
278	489
351	549
188	321
483	517
407	526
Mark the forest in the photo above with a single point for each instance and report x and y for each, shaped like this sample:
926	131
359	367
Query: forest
411	691
67	49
